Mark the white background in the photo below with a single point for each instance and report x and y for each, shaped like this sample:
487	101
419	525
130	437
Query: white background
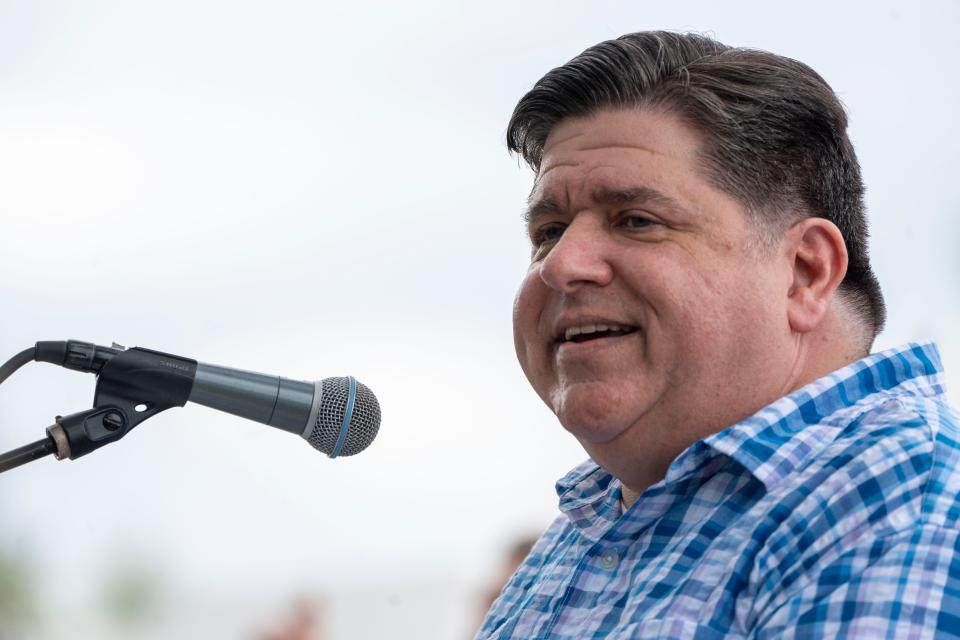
315	189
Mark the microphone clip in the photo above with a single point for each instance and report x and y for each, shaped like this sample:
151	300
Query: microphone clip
132	386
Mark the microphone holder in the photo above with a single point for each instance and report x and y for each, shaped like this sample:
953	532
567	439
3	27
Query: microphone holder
132	386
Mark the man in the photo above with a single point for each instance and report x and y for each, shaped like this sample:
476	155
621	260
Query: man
698	313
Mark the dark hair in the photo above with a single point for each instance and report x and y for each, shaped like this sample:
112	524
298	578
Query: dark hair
775	132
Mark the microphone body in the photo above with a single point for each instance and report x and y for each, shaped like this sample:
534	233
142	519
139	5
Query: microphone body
278	402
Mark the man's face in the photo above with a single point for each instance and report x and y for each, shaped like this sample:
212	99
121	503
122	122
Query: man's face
646	305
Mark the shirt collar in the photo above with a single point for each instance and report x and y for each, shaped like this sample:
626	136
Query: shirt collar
778	438
590	497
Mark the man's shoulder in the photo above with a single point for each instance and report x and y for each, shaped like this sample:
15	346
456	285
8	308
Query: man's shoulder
909	448
892	473
892	468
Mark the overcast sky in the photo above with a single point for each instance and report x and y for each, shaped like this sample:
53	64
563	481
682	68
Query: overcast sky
316	189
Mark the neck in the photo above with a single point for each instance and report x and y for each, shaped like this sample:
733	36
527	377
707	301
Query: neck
628	496
641	455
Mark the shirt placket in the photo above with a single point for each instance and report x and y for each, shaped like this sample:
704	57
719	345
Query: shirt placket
602	561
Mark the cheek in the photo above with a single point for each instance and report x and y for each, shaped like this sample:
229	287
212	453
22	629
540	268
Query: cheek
727	312
527	310
695	312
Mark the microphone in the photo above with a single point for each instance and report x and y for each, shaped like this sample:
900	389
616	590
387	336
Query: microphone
338	416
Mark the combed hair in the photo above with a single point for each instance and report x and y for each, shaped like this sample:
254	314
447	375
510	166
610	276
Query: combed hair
774	132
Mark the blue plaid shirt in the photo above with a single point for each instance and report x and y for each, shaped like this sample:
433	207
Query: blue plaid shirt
831	513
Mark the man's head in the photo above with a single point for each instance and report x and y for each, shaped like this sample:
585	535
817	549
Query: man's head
774	132
703	202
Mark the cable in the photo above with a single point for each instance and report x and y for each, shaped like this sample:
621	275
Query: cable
35	450
17	361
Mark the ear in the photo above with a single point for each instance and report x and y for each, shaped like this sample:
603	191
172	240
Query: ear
819	257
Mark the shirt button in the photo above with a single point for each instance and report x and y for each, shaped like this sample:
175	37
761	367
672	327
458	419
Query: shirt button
609	559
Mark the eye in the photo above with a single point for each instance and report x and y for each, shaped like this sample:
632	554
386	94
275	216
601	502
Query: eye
547	233
633	220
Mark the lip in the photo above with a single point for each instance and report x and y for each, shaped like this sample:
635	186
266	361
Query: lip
561	327
571	349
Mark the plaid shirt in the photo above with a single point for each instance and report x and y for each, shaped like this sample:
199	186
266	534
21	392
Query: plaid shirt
831	513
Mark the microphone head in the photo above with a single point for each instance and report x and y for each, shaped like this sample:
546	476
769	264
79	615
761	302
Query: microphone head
348	417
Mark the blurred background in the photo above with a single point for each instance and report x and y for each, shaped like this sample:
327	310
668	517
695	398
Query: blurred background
316	189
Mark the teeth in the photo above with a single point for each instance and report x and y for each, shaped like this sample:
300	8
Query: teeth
591	328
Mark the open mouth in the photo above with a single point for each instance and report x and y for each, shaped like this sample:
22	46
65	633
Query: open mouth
589	332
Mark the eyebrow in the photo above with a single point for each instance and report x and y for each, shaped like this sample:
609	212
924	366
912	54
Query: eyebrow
602	195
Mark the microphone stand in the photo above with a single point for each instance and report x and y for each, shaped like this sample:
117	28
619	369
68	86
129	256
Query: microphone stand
27	453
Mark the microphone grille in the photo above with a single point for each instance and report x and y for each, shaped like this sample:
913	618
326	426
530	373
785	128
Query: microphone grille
364	418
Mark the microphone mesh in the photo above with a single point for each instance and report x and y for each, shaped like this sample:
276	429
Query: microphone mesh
364	421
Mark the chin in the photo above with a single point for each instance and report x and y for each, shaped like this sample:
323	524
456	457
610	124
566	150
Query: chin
596	424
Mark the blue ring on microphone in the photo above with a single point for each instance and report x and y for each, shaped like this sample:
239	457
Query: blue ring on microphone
351	396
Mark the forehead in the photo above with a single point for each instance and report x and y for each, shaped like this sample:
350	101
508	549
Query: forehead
615	150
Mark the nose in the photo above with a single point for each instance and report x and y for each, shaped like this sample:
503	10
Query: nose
579	258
